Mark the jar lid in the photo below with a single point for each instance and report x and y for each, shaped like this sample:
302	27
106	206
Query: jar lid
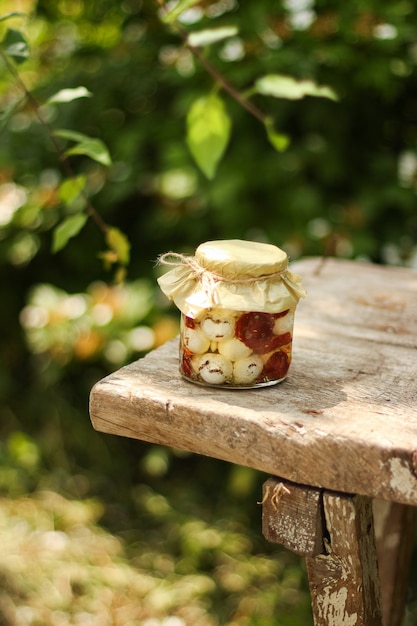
232	258
232	274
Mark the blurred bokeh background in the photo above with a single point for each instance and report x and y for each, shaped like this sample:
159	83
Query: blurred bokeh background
97	530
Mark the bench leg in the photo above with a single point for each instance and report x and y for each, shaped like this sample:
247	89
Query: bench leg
344	582
394	532
336	535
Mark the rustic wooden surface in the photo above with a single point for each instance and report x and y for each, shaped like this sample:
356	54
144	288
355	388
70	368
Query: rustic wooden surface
345	418
309	522
292	515
344	582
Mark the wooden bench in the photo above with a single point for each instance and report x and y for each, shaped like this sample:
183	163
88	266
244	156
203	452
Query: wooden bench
338	438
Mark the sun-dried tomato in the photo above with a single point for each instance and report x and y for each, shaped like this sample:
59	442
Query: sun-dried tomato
276	341
186	367
189	321
276	367
282	314
255	330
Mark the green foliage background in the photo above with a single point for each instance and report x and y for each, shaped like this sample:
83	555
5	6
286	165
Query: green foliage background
346	185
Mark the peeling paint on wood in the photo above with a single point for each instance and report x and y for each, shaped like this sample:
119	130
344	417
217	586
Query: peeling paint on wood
344	566
292	515
332	608
403	480
344	583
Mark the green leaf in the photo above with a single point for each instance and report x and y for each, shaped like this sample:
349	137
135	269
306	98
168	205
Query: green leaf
118	242
278	140
280	86
68	95
211	35
179	8
71	188
72	135
208	132
93	148
15	46
69	228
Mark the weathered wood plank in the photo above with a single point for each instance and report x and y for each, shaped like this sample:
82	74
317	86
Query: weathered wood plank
394	532
292	515
344	583
345	419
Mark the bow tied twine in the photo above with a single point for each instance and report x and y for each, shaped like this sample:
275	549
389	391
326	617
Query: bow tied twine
208	278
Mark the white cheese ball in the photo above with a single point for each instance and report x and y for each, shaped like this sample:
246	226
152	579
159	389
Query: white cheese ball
284	324
195	340
247	370
214	368
218	325
234	349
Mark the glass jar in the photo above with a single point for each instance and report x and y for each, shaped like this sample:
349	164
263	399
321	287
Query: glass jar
236	348
237	301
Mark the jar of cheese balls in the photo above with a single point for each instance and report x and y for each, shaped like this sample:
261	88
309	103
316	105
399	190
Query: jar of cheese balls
237	301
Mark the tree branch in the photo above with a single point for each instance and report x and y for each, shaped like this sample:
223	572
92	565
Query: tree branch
225	84
215	74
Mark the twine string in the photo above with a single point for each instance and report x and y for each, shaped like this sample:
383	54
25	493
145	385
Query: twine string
207	279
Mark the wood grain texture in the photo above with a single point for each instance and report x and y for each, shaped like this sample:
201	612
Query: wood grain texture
344	583
394	531
345	419
292	515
